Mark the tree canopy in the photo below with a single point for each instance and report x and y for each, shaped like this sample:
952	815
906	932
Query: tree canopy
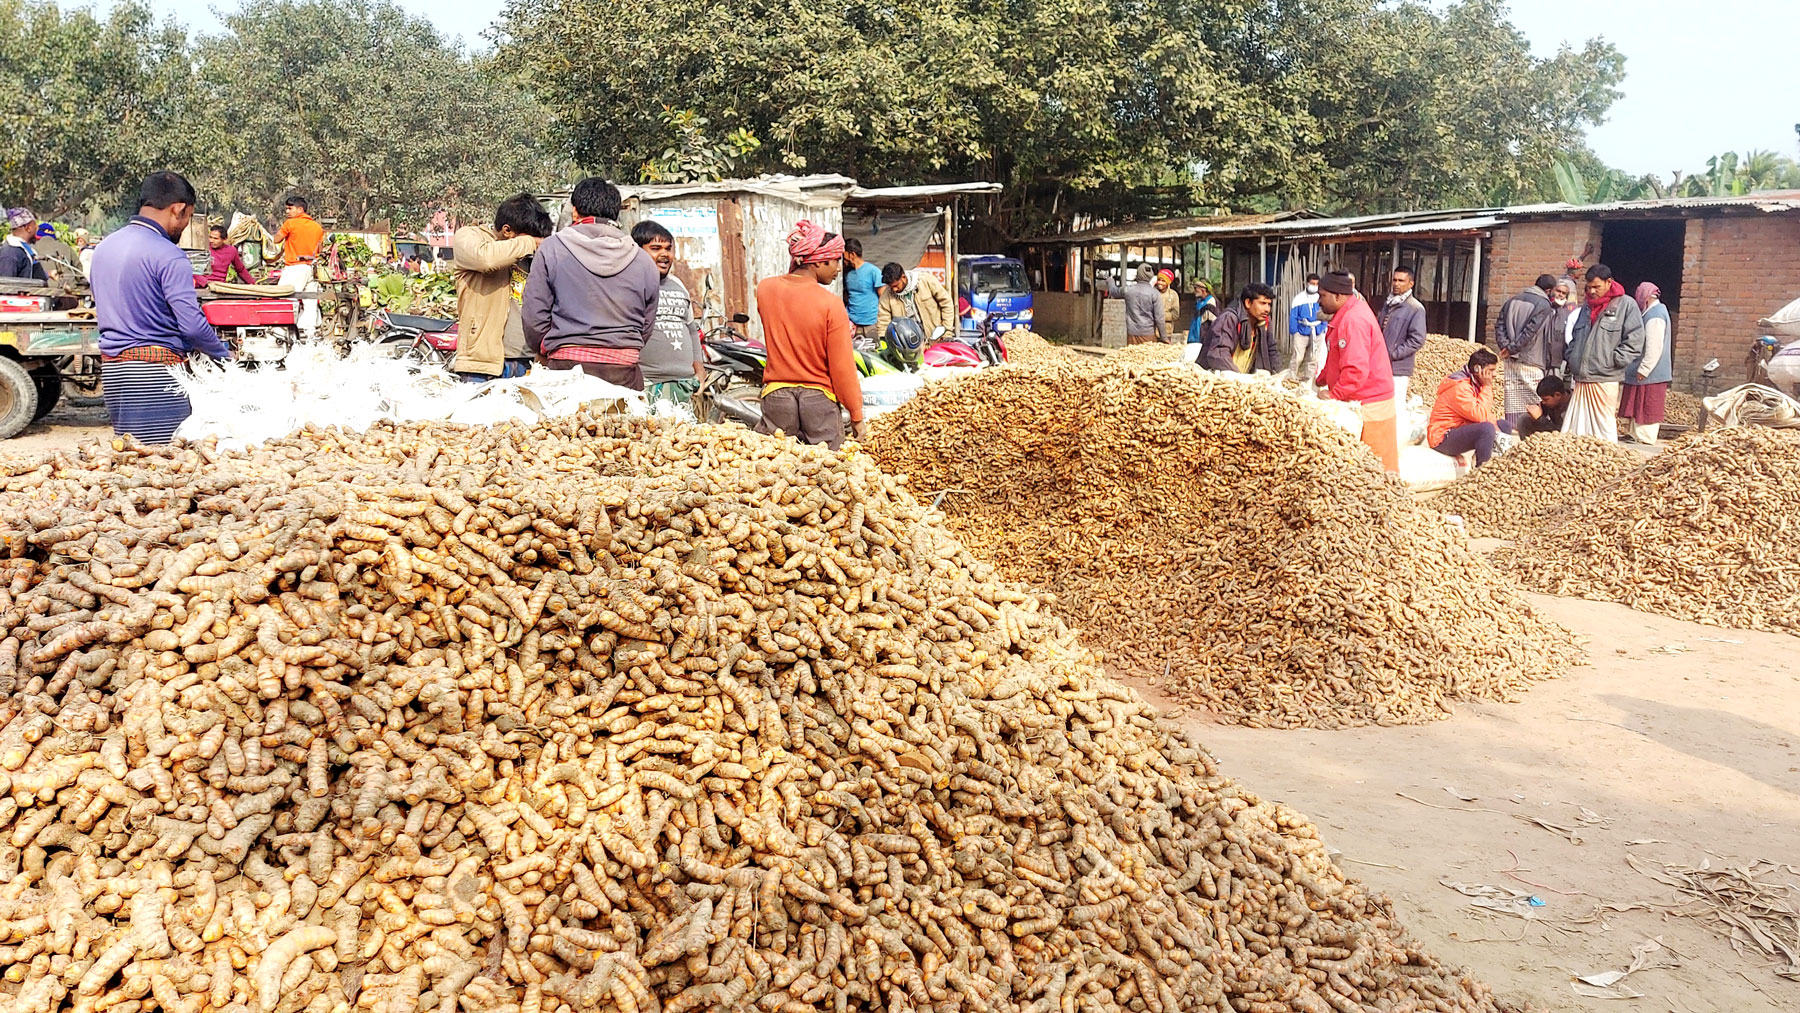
366	108
88	102
361	106
1107	107
1098	107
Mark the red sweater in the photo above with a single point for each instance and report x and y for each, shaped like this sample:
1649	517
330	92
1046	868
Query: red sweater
807	332
1356	357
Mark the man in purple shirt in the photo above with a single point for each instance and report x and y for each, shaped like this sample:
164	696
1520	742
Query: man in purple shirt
149	317
225	257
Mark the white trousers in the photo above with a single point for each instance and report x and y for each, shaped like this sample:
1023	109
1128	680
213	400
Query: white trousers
1309	356
1400	385
299	277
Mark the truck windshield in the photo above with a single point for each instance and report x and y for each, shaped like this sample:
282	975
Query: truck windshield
989	278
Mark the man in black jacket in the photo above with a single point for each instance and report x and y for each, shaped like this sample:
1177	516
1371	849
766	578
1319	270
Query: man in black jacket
1239	341
1522	334
17	258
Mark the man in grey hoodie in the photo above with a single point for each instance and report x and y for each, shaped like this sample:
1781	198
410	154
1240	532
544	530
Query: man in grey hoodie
1144	318
591	298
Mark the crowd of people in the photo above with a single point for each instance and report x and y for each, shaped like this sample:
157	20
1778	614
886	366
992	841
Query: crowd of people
591	297
1579	365
33	252
1574	357
596	298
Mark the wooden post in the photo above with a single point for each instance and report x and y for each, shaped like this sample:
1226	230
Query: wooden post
1474	286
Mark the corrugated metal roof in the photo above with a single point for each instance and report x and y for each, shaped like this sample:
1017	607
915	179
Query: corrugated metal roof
1470	219
818	191
1161	230
821	191
1412	221
924	191
1773	202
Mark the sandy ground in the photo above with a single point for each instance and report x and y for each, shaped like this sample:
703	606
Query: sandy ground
1680	755
69	423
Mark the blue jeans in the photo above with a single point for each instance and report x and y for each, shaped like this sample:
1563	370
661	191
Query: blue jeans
512	369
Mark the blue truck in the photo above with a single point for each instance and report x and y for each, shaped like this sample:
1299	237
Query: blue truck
995	287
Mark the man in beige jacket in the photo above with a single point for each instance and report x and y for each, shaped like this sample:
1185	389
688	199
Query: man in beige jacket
487	258
919	296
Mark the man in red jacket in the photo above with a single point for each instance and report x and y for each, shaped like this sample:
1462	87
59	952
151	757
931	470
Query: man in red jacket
1357	367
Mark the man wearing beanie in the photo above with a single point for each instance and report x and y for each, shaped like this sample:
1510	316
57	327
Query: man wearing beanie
1357	367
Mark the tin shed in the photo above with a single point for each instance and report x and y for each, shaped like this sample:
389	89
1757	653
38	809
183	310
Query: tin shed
731	233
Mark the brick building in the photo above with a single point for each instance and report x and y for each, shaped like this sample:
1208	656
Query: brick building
1723	263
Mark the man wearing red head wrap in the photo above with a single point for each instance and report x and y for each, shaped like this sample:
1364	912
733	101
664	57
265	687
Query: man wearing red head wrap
812	367
1171	301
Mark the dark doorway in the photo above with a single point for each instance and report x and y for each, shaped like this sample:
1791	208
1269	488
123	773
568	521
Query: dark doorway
1646	251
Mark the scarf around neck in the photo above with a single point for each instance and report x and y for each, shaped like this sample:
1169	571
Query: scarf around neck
1598	304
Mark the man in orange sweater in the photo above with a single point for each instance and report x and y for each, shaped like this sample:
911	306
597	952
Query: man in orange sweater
812	367
300	237
1462	417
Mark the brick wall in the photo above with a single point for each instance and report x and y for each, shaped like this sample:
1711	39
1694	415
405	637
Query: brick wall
1735	272
1519	253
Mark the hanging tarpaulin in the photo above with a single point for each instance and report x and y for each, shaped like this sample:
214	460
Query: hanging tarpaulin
891	237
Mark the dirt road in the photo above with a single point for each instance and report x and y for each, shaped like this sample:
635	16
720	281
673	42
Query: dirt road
1678	754
69	423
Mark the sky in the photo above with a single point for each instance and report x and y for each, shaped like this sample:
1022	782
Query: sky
1701	78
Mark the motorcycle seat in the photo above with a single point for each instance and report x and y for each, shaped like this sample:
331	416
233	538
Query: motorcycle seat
426	324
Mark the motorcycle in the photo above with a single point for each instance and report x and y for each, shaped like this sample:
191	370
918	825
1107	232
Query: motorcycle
424	341
732	389
975	347
899	351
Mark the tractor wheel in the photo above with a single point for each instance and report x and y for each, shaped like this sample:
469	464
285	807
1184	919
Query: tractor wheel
18	398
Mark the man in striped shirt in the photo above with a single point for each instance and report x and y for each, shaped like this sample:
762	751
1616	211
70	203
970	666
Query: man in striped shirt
591	299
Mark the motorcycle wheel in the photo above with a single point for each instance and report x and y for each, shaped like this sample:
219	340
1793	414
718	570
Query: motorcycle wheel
411	350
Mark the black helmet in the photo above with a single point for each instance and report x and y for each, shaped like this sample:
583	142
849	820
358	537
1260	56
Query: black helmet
906	336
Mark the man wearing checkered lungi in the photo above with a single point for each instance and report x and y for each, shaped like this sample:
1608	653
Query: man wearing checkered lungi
1522	335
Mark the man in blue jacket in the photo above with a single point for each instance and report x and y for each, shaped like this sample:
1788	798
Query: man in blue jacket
150	321
1307	327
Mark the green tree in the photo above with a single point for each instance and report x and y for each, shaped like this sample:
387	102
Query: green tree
1581	178
90	104
1109	108
1729	174
1424	108
367	110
